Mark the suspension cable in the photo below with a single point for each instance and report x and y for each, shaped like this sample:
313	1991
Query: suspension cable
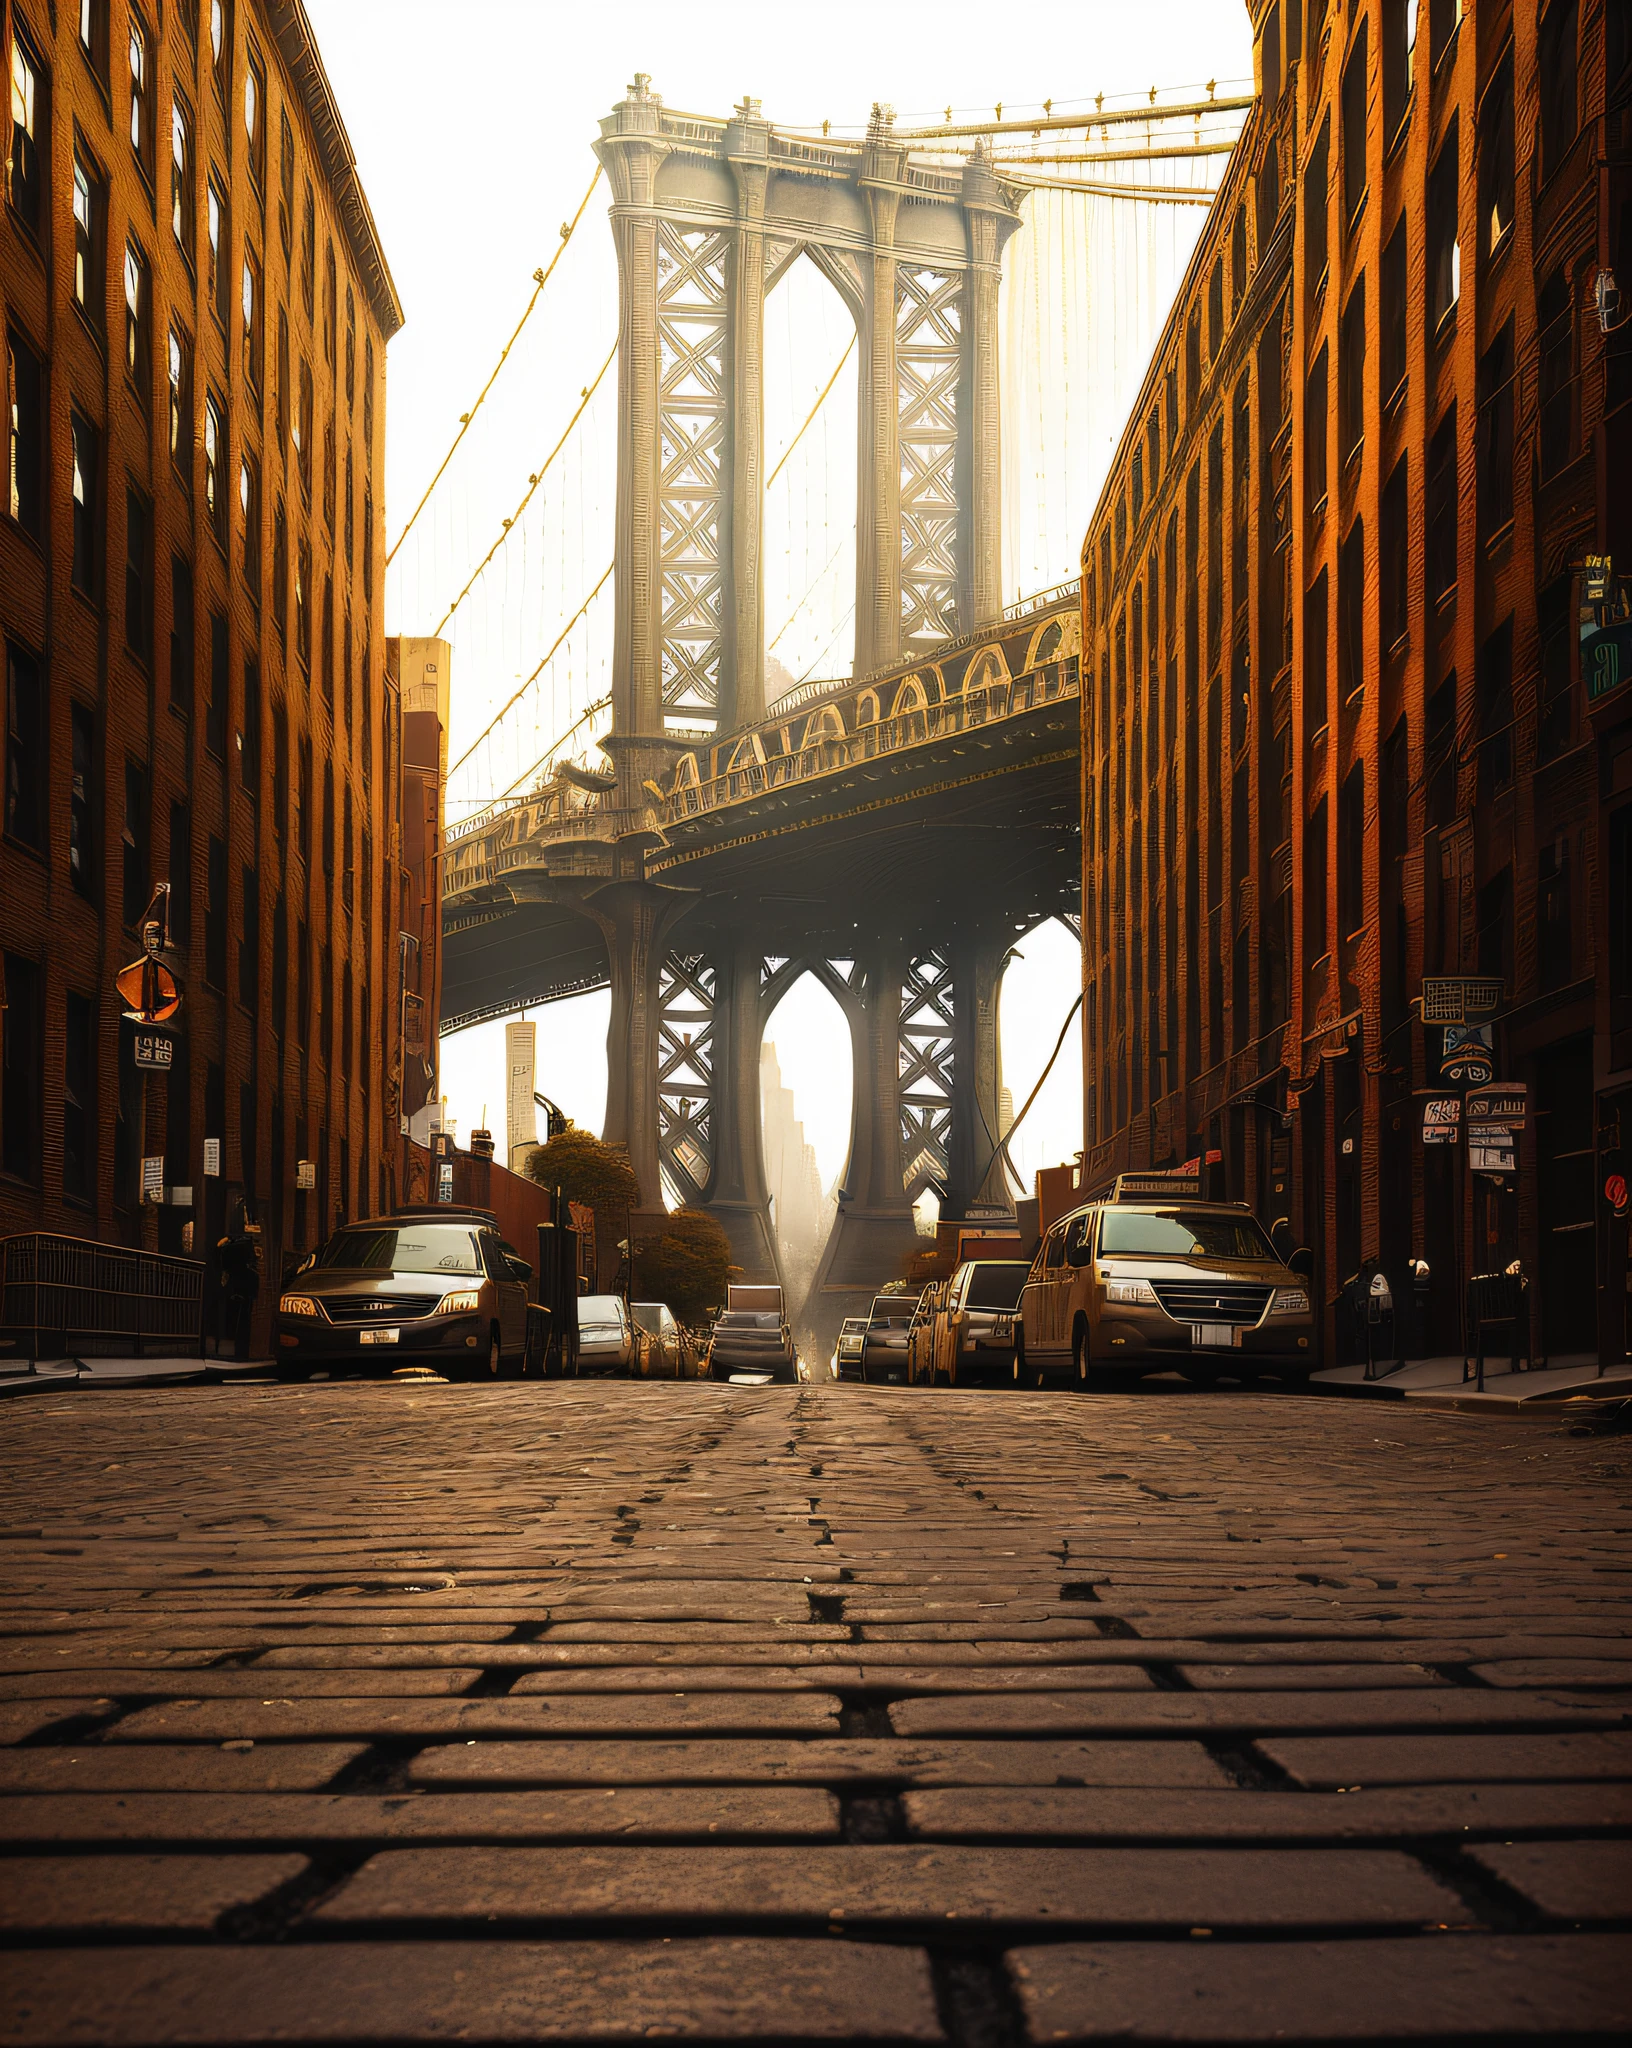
814	410
533	483
583	718
517	696
1001	1150
540	279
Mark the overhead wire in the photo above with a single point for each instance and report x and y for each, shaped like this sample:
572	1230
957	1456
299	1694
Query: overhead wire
533	483
517	695
540	279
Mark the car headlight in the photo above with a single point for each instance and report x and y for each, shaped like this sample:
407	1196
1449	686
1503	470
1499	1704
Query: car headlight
1131	1290
464	1301
297	1305
1290	1301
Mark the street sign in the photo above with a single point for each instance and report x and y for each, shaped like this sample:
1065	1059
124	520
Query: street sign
212	1158
1461	999
1506	1102
444	1181
1467	1056
151	992
1441	1118
1491	1149
155	1052
153	1179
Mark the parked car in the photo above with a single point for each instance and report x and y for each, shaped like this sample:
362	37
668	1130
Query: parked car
967	1349
884	1346
442	1290
847	1352
1138	1283
753	1345
921	1334
661	1355
610	1341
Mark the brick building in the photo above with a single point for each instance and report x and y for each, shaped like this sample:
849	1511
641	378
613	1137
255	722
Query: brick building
1336	738
196	313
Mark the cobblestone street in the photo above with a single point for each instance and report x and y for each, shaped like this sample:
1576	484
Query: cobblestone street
414	1713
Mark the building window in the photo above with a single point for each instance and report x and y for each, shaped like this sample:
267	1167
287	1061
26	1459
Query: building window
25	435
1495	707
286	184
1315	201
255	120
215	913
1555	916
308	255
254	340
220	288
90	217
1495	935
368	393
182	650
368	545
79	1099
280	396
138	574
81	799
249	763
303	605
351	521
1445	18
1393	540
1444	244
138	319
22	1079
1315	658
1351	852
1399	29
1354	129
1351	392
134	869
351	349
249	946
29	158
249	508
1395	289
1215	311
329	306
141	94
1555	315
215	466
1496	161
327	665
303	431
1557	696
181	406
215	711
328	477
1442	510
183	204
1238	259
1495	448
1315	463
93	35
25	751
181	873
1316	854
280	567
87	465
1557	56
220	47
1351	614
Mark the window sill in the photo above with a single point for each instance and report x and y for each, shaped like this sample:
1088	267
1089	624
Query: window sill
1358	214
1501	540
26	234
1353	459
1498	252
36	853
25	534
88	323
1402	128
1394	403
1445	325
1318	737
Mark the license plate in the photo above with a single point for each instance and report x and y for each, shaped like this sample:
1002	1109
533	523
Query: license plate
1224	1335
379	1336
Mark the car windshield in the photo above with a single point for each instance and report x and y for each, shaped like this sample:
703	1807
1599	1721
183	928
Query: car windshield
745	1319
600	1312
402	1248
1181	1234
892	1315
995	1286
649	1315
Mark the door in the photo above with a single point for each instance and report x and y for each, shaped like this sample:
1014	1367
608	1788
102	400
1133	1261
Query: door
511	1292
1565	1205
1053	1294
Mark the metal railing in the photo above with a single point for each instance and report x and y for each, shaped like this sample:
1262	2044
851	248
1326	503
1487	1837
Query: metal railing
56	1289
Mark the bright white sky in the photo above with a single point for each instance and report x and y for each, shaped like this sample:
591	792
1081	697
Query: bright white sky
472	128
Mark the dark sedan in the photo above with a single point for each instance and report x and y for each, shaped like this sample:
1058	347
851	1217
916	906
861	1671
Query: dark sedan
443	1291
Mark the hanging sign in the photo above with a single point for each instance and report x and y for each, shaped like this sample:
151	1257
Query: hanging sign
305	1173
1505	1102
212	1158
1461	999
153	1180
1467	1056
1491	1149
444	1181
1441	1120
151	992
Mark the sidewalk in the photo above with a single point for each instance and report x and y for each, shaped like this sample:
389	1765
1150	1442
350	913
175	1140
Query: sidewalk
1438	1383
51	1375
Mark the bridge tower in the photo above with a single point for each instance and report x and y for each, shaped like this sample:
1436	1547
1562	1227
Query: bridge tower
707	215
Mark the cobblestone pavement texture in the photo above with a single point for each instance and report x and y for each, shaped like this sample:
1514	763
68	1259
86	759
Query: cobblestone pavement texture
411	1713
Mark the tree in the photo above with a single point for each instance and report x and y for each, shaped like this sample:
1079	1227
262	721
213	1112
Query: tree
587	1171
689	1266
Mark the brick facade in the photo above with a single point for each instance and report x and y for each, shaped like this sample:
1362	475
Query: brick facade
197	695
1333	740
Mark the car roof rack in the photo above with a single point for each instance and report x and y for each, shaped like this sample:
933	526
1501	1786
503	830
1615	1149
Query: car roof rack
430	1212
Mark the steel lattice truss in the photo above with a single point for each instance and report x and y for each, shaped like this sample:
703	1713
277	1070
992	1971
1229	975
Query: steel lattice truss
685	1074
691	330
929	353
926	1072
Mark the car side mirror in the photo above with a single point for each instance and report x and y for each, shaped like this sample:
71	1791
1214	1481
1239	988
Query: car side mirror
1302	1262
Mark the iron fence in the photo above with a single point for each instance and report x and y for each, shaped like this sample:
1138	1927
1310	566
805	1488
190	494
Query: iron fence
56	1291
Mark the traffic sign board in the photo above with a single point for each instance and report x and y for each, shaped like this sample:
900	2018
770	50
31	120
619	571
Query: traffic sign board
151	992
1441	1118
155	1051
1504	1102
1467	1055
1461	999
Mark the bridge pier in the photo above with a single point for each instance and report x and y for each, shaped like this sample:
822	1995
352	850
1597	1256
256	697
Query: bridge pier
738	1197
636	919
974	1176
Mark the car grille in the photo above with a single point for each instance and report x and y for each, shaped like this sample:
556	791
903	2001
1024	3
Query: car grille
361	1309
1212	1301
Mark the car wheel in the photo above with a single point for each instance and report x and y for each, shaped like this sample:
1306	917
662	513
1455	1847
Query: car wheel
1025	1375
495	1358
1084	1379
